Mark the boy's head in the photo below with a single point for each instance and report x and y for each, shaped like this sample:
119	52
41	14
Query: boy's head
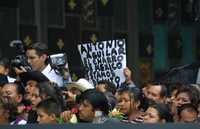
48	110
91	102
106	86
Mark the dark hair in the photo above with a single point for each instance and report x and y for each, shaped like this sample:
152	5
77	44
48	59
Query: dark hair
97	99
51	90
19	88
163	111
40	48
134	92
188	107
3	80
192	92
50	106
5	62
11	106
110	87
172	87
163	92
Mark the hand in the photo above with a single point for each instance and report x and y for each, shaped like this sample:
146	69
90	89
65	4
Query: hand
19	70
127	74
70	96
66	116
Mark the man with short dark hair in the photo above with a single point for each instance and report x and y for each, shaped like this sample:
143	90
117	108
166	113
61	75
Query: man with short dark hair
48	111
156	92
93	108
38	58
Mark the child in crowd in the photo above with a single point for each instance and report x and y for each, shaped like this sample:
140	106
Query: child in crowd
48	111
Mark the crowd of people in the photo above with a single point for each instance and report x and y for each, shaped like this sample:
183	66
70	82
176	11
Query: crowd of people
44	96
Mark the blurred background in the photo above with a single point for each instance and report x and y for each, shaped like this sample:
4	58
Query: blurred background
160	34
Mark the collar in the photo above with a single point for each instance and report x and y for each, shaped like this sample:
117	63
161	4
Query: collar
47	69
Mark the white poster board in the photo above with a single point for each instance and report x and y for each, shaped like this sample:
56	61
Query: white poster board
104	60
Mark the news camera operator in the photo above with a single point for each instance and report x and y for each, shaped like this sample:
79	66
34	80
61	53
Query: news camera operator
39	60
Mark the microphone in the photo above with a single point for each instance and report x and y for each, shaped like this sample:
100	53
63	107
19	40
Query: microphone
15	43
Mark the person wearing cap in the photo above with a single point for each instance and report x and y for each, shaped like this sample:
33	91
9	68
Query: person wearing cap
30	80
82	85
79	86
73	92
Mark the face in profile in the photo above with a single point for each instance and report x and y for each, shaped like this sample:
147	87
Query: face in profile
86	112
44	118
37	62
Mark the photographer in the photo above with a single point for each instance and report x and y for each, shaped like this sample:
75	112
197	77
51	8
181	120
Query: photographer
38	58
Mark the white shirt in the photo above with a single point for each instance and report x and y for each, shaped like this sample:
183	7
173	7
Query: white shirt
52	75
10	79
21	122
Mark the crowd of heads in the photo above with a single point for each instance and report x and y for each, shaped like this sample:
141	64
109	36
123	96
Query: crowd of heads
42	101
33	97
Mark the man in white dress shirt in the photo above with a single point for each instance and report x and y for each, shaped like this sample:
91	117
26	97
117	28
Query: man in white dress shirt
37	55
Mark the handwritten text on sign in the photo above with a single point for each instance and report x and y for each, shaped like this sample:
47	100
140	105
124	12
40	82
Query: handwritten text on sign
104	60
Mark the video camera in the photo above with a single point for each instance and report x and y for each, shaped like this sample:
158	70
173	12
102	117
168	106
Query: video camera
59	62
20	59
59	59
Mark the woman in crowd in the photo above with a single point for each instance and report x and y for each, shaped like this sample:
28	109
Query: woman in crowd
157	113
185	95
128	103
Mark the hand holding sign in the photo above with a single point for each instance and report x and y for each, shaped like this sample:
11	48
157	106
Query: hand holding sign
127	74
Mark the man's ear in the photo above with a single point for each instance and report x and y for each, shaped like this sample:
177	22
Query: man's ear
44	56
